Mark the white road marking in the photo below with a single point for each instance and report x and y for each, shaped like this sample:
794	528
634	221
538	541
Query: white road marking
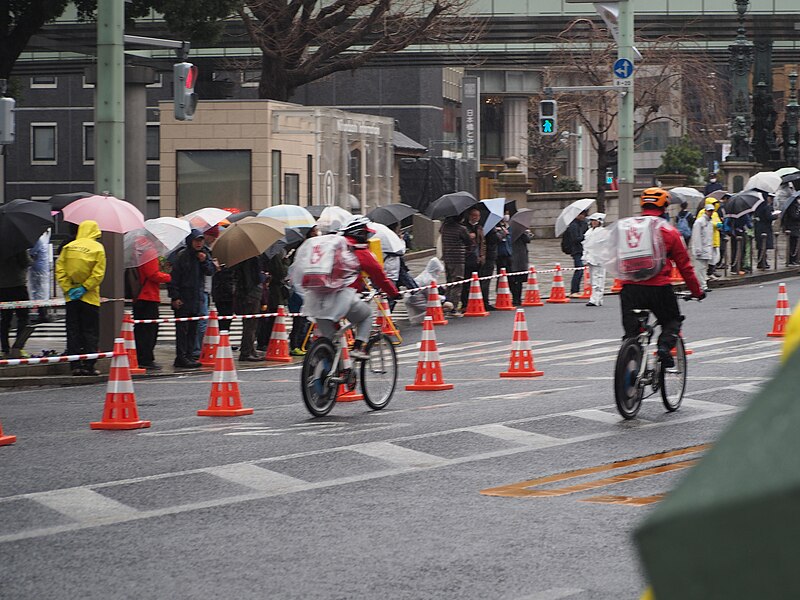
553	594
747	358
601	416
82	504
256	478
398	455
519	436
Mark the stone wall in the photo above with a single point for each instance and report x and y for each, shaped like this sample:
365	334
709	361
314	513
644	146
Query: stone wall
548	205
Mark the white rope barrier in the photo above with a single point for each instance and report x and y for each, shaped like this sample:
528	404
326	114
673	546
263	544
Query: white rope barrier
45	303
46	360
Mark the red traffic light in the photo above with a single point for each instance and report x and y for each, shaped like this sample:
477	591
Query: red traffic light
191	76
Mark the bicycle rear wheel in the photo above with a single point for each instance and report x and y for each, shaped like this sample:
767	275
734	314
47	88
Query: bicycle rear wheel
379	372
673	381
319	395
627	391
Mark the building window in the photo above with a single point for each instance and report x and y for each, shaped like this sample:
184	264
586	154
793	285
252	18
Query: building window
654	137
291	189
220	178
153	140
250	78
310	180
159	82
44	82
276	177
43	143
88	143
87	85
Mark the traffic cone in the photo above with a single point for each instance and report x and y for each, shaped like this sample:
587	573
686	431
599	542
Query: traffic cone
503	300
686	350
675	274
475	307
587	285
521	359
616	287
6	440
344	394
224	400
532	296
210	340
278	347
429	370
349	337
557	293
120	410
385	323
130	344
434	306
781	313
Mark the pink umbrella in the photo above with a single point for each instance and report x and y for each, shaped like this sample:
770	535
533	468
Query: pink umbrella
111	214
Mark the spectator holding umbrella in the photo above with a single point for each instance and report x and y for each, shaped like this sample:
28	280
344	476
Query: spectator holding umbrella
520	238
455	241
145	306
13	287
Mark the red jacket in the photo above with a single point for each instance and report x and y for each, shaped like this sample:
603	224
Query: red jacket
676	251
150	276
371	266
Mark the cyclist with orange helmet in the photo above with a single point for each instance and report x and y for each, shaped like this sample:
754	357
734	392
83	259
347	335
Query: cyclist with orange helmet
655	293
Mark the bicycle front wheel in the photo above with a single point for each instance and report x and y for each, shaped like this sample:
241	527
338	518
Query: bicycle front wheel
379	372
673	381
319	395
627	391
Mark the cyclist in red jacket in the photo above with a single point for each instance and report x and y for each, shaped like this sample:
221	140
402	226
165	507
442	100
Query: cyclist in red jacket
655	293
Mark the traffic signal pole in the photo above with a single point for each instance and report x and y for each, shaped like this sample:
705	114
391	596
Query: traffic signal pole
625	148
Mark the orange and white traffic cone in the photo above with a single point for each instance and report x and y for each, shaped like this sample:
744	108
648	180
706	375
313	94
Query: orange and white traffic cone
781	313
429	376
344	394
675	275
224	400
6	440
434	307
278	347
521	359
475	307
557	293
385	323
130	344
532	296
503	300
210	340
587	285
616	287
120	410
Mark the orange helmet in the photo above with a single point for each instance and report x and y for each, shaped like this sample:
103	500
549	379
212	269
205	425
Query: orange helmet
655	196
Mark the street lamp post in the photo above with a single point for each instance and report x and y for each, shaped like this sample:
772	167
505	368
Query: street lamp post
790	134
741	61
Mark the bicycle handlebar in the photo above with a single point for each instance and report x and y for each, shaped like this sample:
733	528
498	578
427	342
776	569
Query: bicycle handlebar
686	296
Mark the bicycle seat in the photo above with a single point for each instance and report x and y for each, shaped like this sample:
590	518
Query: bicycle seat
642	312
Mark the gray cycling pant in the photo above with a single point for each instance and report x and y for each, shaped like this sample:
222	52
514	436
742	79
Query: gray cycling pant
360	315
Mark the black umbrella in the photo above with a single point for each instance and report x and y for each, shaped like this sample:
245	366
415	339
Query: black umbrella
520	222
392	213
792	199
59	201
743	203
22	222
292	238
241	215
451	205
791	177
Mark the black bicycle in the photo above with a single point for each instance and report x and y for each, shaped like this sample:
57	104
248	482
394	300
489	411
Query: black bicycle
324	371
639	367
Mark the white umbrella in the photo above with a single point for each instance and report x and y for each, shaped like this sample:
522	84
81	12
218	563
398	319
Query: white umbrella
685	194
496	208
568	215
766	181
206	218
390	242
289	214
332	218
786	171
169	231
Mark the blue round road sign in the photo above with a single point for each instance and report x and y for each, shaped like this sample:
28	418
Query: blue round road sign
623	68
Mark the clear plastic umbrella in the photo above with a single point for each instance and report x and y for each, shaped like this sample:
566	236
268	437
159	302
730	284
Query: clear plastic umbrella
290	215
332	218
685	194
205	218
157	238
786	171
766	181
390	242
569	213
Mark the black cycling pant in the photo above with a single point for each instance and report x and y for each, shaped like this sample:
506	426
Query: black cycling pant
658	299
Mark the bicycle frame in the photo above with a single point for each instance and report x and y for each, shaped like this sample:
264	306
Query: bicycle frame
648	375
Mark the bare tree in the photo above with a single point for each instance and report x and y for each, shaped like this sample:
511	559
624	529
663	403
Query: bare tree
304	40
670	77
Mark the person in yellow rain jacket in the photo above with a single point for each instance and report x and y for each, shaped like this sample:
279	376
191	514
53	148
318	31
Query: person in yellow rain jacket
80	269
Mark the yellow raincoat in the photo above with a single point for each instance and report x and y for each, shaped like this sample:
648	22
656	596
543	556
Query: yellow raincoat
83	262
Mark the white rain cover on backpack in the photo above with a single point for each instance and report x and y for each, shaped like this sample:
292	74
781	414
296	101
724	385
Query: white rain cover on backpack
630	249
324	264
